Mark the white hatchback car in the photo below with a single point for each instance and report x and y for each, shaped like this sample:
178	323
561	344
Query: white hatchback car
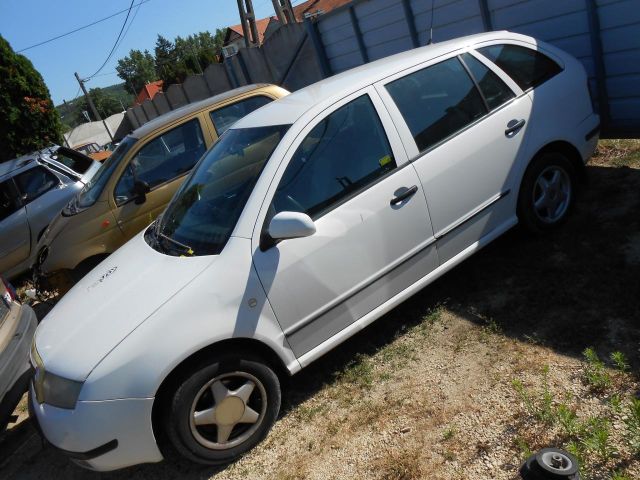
306	221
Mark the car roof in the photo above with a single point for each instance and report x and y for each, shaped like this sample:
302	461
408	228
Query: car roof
190	108
287	110
11	166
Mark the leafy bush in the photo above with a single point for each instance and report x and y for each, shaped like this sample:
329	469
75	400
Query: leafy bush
29	120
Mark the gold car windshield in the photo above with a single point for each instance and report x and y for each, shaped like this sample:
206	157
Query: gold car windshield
204	211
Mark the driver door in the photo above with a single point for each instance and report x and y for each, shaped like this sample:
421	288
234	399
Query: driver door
346	173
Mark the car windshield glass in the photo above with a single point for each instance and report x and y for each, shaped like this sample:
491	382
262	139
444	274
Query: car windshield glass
92	190
204	211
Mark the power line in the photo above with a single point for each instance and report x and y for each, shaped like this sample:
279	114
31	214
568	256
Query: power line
79	28
113	49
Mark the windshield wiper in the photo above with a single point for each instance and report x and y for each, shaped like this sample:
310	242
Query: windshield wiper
187	249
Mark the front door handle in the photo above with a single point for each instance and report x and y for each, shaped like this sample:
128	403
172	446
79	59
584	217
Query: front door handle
513	126
404	195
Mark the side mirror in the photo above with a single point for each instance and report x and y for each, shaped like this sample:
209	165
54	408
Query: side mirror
285	225
140	190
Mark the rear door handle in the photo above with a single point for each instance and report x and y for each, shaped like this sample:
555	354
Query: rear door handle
513	126
404	195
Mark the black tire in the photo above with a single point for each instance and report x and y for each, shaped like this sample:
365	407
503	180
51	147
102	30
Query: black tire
193	393
540	220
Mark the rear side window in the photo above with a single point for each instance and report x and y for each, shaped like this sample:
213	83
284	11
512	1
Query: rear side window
437	101
224	117
35	182
162	159
527	67
494	90
70	159
341	156
9	202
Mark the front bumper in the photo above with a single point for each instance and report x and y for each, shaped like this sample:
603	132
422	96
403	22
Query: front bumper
100	435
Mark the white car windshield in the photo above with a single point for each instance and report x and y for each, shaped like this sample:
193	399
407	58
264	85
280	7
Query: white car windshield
204	211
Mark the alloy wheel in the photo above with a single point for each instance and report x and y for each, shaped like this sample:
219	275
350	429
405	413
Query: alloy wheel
228	410
552	194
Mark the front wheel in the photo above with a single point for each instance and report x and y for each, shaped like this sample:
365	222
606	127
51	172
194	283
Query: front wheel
223	409
547	192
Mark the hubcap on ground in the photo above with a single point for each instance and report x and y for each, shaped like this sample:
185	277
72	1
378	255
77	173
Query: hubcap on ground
552	194
228	410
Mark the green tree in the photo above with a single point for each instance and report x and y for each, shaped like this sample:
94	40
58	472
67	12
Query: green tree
105	103
166	61
29	119
136	69
175	61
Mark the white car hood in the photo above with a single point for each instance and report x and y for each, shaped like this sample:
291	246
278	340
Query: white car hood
109	303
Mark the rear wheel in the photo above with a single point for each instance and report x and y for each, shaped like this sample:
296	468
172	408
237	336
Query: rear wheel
547	192
223	409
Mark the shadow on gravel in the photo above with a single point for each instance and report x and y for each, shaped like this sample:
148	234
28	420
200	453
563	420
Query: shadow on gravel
577	287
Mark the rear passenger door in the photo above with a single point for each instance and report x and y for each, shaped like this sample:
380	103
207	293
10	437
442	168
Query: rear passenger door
464	127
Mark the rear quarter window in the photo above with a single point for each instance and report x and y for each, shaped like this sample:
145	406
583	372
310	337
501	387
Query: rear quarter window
528	68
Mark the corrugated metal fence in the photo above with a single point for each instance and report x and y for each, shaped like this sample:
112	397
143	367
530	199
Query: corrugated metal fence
603	34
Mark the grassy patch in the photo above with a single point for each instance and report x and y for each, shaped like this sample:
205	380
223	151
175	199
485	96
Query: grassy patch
590	437
595	374
618	152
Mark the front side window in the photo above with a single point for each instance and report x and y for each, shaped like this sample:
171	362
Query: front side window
9	202
224	117
494	90
528	68
162	159
341	156
92	190
35	182
437	101
204	211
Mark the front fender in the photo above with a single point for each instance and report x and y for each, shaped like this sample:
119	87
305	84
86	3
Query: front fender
226	301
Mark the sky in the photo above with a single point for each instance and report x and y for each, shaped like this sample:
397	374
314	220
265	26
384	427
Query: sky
27	22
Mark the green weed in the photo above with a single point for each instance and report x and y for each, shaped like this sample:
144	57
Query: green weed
597	438
620	361
633	425
595	373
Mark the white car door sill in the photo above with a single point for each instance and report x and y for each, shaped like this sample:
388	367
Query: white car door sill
358	325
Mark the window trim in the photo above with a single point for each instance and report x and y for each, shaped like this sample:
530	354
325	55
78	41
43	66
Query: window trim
393	137
554	58
23	202
410	143
236	101
158	134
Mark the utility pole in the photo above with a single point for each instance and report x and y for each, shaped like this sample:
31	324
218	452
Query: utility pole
279	12
251	17
91	105
284	11
66	107
248	22
288	11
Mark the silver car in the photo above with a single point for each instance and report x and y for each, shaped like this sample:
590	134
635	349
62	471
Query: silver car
33	190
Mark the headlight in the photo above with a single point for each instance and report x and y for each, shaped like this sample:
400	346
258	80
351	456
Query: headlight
53	389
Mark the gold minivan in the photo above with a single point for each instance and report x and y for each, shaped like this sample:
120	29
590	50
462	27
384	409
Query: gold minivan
136	182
